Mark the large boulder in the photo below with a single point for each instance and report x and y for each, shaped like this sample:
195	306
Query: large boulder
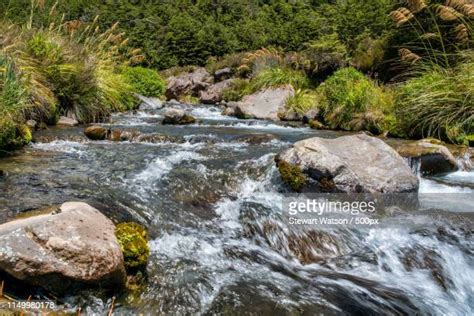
357	163
70	246
213	94
188	84
434	158
178	117
264	104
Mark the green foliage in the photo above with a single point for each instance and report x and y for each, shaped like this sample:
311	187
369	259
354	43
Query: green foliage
292	175
439	102
274	77
239	89
302	101
132	239
144	81
324	55
369	53
351	101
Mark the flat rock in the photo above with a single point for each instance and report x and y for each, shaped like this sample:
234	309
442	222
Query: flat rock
357	163
67	121
178	117
74	245
434	158
264	104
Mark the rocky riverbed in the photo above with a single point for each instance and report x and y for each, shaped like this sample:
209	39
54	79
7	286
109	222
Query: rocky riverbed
211	196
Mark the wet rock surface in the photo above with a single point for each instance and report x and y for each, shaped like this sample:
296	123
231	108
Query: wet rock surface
177	117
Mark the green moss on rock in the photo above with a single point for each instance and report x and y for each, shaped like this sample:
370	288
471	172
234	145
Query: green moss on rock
292	175
132	239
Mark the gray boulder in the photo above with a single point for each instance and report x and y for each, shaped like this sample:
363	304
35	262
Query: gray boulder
357	163
290	116
178	117
223	74
188	84
434	158
70	246
264	104
310	116
213	94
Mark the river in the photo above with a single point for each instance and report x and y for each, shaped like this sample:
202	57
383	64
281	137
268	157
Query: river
219	242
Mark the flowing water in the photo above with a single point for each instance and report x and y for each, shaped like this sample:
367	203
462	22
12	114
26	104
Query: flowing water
219	242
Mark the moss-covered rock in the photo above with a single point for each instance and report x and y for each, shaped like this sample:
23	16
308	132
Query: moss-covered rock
292	175
132	239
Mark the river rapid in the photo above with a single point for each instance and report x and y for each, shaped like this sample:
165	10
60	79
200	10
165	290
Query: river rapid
219	242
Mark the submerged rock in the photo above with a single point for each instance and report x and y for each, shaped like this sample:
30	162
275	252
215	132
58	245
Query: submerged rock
434	158
158	138
256	139
67	121
72	246
188	84
357	163
96	132
264	104
178	117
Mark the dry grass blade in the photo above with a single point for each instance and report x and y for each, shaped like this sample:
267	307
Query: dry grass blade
408	55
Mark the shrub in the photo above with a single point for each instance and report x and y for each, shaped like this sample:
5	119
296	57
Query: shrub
439	102
144	81
274	77
302	101
132	239
351	101
324	56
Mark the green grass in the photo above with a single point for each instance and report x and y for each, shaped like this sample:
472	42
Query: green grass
302	101
351	101
439	102
277	76
239	89
144	81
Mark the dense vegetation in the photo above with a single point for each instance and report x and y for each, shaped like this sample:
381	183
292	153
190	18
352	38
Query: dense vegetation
402	68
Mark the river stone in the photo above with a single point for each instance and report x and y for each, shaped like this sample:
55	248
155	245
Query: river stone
188	84
149	103
264	104
67	121
289	116
434	157
357	163
256	139
72	246
31	124
96	132
213	94
178	117
310	116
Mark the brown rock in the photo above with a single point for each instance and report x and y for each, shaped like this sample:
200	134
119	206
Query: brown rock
96	132
74	246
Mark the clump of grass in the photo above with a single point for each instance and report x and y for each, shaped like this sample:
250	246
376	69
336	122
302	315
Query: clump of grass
302	101
351	101
144	81
275	77
439	102
238	89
